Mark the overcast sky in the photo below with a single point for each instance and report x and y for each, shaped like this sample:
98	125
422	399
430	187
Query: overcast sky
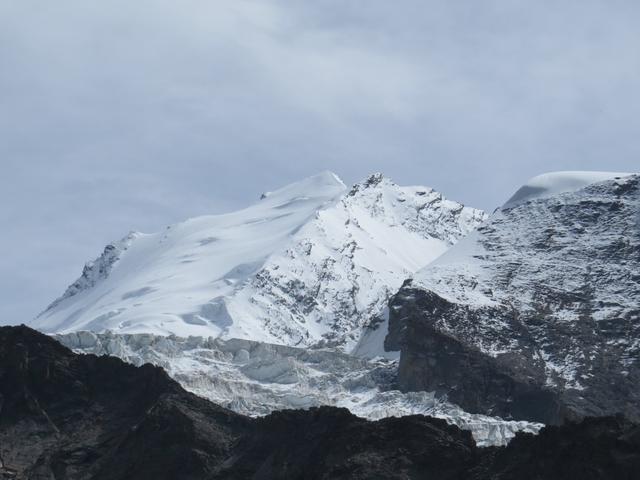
126	115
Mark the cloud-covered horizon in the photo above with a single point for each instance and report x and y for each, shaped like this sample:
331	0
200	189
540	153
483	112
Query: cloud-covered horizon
118	115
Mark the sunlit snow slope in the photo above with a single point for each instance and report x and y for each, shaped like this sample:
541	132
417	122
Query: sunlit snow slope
313	261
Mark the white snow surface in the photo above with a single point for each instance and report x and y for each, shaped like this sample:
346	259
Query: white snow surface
553	183
311	262
255	379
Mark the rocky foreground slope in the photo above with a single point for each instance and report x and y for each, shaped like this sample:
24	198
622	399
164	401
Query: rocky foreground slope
536	315
257	378
68	416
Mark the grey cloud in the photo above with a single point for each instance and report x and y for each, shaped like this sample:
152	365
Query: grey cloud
130	115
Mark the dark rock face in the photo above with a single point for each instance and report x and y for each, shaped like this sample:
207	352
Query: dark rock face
605	447
436	361
537	315
66	416
331	443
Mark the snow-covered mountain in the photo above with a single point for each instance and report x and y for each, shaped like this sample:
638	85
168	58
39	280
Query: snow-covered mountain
311	262
535	315
291	303
280	305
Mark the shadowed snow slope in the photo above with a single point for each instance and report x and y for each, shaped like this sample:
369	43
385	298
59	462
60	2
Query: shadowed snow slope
311	262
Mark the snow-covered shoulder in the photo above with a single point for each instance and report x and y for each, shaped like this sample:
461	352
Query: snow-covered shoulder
553	183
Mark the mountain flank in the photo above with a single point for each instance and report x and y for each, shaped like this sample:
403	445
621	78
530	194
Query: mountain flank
536	314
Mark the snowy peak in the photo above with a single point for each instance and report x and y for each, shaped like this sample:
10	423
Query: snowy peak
342	267
310	262
418	209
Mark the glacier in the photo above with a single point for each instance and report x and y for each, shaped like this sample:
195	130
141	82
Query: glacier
257	378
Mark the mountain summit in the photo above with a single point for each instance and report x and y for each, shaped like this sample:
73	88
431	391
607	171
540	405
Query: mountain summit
313	261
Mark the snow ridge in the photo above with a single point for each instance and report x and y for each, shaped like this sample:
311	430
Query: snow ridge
96	270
